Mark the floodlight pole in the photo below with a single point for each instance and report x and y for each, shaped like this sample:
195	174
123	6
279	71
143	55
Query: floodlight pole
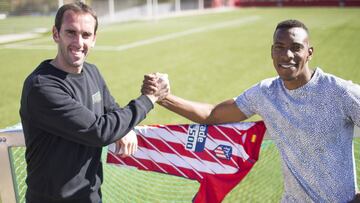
156	8
149	8
60	3
111	10
177	5
201	4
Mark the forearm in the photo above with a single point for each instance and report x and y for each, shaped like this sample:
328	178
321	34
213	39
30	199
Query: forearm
194	111
112	126
106	128
60	115
224	112
125	119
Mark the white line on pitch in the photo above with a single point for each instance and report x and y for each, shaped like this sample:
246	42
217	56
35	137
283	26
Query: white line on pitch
147	41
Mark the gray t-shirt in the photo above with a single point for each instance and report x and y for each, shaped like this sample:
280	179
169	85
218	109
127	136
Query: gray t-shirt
313	128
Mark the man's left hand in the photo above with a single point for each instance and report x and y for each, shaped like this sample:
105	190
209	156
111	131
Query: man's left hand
127	145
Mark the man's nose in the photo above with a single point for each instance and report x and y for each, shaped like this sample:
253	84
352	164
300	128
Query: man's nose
288	53
79	40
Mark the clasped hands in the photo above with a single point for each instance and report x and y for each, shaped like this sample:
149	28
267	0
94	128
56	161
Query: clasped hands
156	87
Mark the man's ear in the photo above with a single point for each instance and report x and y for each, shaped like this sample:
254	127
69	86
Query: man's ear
94	40
271	51
311	51
55	34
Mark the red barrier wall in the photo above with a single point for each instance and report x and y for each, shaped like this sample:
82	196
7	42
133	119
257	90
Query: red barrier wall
296	3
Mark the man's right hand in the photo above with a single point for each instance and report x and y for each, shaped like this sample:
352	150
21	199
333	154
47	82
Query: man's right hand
356	198
156	86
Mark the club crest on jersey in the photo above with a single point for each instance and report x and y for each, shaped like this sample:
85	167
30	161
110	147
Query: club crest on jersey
223	152
196	137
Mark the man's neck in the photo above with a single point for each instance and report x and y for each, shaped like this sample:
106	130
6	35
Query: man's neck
301	81
74	70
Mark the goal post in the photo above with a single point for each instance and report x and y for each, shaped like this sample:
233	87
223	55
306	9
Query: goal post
7	187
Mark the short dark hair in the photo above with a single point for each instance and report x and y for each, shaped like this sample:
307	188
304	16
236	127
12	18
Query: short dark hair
77	7
291	23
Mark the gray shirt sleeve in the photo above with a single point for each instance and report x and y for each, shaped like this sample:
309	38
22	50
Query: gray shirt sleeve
352	102
246	102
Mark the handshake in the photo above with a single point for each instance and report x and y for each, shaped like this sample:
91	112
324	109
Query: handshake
156	86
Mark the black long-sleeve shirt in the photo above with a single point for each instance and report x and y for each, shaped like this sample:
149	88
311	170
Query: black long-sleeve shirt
66	119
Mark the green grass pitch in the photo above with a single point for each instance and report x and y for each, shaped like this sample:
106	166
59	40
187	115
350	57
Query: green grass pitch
209	58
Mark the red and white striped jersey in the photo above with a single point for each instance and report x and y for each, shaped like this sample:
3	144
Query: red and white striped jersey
218	156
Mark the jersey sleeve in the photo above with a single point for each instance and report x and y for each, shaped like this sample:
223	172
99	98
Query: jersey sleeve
55	111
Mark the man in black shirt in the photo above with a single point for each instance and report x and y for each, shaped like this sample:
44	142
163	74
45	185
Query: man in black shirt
68	115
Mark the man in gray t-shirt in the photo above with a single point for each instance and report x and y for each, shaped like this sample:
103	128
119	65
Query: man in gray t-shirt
309	113
313	128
